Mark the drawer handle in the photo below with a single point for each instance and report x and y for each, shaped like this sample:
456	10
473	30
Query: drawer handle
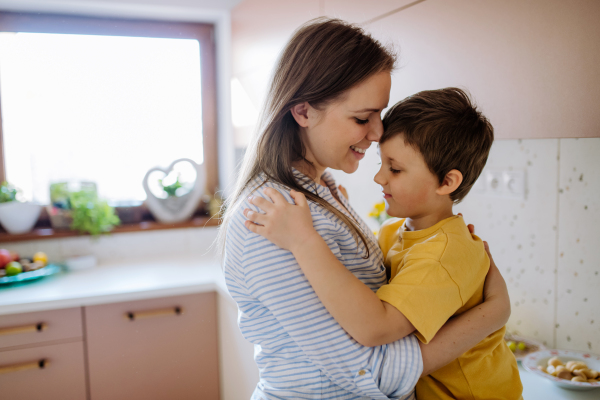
23	329
43	363
163	312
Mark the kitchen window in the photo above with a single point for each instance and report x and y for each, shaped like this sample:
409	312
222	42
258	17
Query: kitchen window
103	100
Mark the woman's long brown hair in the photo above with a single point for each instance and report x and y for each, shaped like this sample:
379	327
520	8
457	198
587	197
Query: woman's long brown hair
323	59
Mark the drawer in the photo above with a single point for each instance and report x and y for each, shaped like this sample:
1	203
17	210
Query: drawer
38	327
162	348
62	378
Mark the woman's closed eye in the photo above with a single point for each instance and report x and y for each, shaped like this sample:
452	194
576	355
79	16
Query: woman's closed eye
395	171
361	121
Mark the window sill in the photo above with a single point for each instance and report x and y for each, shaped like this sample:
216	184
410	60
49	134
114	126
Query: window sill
49	233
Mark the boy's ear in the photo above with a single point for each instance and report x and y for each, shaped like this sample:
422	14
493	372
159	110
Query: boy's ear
300	113
451	182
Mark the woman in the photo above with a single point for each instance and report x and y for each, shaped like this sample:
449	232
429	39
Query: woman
323	111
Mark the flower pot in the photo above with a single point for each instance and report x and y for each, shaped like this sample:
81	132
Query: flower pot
59	218
175	209
17	217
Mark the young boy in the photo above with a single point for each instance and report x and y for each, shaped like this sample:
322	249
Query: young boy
434	147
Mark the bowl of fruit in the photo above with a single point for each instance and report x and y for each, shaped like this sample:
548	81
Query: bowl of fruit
521	346
14	269
574	370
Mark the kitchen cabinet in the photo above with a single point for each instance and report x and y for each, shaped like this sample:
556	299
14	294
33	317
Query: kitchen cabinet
154	349
157	348
49	372
42	356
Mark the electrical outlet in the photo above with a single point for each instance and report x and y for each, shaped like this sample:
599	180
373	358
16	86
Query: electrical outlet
502	183
494	182
514	184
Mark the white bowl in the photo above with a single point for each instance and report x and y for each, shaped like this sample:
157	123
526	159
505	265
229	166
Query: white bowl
17	217
80	262
540	358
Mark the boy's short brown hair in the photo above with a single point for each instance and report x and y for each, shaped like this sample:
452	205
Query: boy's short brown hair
447	129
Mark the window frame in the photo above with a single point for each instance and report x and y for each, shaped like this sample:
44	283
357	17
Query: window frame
114	26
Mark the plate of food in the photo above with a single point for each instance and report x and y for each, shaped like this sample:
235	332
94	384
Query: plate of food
521	346
14	269
574	370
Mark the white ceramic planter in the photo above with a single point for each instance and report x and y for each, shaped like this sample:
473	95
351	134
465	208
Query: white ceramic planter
17	217
175	209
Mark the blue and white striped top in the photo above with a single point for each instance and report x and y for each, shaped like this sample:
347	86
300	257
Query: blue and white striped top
301	352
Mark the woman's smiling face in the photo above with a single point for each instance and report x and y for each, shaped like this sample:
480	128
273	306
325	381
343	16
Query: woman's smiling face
338	135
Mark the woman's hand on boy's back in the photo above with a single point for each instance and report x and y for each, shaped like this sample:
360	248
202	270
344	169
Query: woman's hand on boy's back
287	225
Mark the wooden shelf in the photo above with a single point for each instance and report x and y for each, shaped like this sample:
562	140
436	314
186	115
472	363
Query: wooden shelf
49	233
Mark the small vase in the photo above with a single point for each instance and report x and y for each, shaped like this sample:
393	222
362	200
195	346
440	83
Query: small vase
17	217
59	217
175	209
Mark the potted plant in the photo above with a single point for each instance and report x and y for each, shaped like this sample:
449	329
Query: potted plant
16	216
81	209
178	200
90	214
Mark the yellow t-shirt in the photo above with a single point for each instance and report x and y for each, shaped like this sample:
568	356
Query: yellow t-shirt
437	273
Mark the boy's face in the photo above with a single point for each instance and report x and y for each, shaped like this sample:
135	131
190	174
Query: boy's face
408	185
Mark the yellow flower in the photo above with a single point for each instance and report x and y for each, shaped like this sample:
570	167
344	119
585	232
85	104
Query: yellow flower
380	206
373	214
375	233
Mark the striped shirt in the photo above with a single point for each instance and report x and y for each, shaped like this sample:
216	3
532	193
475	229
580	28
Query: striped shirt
300	350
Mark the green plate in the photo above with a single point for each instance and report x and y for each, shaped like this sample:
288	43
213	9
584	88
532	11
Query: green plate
50	269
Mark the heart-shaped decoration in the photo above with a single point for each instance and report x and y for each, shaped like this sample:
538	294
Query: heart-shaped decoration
174	209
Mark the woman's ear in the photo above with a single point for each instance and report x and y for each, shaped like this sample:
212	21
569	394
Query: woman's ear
451	182
300	113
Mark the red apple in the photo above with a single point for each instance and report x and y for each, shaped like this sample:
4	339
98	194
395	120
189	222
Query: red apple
5	257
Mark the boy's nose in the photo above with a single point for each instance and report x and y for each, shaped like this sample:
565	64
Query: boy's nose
378	177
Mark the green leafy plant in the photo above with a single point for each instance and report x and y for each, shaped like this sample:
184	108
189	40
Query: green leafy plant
90	214
8	192
171	189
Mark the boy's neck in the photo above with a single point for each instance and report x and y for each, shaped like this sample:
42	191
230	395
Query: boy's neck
428	220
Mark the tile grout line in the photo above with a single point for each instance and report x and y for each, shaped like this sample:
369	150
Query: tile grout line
557	241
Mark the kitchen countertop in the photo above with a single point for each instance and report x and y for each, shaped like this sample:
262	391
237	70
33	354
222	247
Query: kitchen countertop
114	282
145	279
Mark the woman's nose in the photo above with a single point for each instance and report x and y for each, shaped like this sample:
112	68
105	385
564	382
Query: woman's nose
376	131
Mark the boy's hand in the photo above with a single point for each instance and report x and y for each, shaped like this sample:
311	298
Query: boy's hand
287	225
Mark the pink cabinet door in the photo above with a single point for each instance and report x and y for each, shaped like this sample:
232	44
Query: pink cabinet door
51	372
162	348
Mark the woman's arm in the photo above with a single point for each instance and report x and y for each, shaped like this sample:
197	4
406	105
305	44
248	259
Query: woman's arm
370	321
279	309
463	332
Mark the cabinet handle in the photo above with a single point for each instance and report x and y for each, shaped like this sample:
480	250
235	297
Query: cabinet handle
163	312
23	329
41	364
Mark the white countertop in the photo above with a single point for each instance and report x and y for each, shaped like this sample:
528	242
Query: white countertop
115	282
